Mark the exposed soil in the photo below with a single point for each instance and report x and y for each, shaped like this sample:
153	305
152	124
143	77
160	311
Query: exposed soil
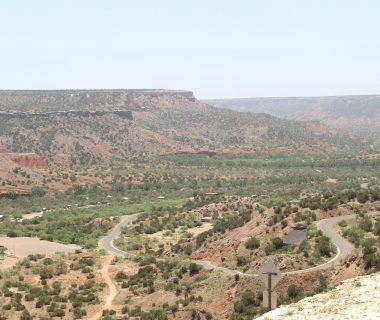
24	246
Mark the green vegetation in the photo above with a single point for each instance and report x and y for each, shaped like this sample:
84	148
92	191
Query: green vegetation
252	243
365	235
49	298
247	307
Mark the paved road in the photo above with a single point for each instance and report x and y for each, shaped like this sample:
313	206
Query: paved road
106	243
344	248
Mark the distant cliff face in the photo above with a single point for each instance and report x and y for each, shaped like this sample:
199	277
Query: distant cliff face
81	100
360	113
84	127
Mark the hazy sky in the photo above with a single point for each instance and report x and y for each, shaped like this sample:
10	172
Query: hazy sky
217	49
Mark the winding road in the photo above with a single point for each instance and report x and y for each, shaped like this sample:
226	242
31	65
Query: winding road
106	243
344	247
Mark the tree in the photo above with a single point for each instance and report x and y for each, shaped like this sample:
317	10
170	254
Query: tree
37	192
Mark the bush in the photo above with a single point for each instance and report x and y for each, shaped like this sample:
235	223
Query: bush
121	276
342	223
294	291
376	229
246	307
252	243
324	246
354	235
370	255
277	243
241	261
11	234
366	224
269	248
363	197
194	268
11	195
26	315
37	192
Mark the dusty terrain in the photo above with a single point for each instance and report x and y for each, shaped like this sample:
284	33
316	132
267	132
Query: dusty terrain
24	246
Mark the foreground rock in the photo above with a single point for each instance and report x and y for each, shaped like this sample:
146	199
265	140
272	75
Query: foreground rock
357	298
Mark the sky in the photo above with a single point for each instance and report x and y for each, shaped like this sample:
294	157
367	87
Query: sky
217	49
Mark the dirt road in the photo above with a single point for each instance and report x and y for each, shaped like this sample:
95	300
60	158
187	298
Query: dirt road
111	287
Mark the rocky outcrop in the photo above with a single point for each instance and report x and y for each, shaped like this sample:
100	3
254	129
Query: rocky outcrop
355	299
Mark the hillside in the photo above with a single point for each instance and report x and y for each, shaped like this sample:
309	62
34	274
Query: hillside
345	112
355	298
85	127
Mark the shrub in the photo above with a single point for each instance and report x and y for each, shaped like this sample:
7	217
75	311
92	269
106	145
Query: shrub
366	224
252	243
354	235
12	234
342	223
11	195
26	315
269	248
277	243
121	276
376	229
194	268
241	261
37	192
324	246
294	291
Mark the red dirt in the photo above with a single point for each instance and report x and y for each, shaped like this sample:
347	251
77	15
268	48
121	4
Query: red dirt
30	160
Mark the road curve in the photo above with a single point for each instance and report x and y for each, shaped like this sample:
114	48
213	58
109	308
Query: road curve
106	242
344	247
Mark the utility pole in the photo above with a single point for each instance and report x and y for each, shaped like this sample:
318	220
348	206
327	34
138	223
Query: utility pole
270	274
